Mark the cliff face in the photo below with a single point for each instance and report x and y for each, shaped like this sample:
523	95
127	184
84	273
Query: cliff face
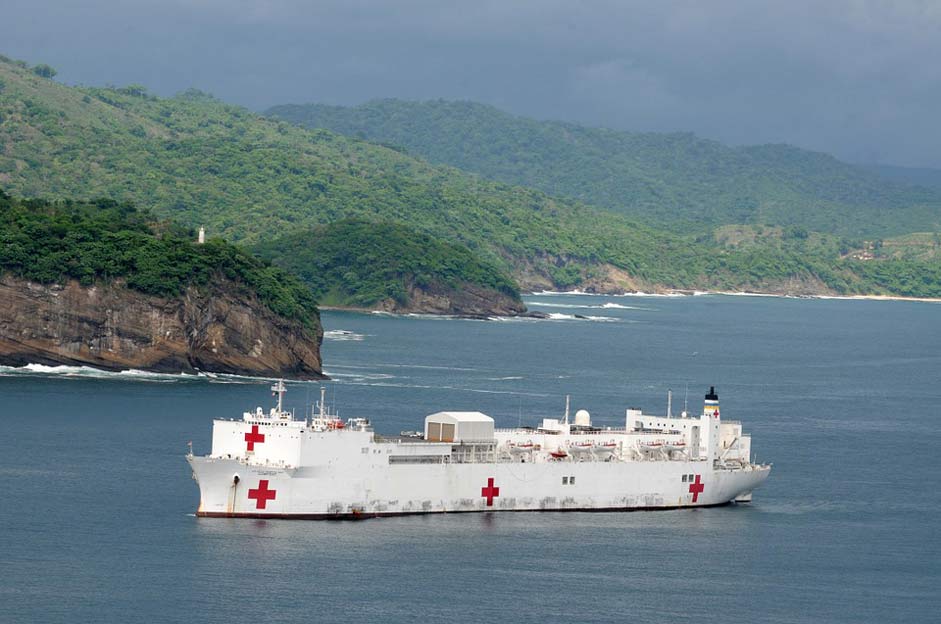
112	327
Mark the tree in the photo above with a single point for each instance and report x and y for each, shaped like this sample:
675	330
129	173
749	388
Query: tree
44	71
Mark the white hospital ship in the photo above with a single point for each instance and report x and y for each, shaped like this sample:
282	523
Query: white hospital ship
272	465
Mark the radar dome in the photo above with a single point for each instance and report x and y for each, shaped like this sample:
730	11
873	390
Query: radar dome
582	417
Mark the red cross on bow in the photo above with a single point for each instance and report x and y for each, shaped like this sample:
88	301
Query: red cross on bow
490	492
696	489
253	437
262	495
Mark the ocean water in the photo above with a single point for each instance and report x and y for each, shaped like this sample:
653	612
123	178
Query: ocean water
96	513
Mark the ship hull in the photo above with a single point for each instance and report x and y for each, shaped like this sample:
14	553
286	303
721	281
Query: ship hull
233	488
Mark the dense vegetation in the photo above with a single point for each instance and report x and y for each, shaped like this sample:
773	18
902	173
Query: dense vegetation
202	162
360	263
690	183
51	242
246	177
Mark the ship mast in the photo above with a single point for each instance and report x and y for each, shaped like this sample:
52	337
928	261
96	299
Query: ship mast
279	389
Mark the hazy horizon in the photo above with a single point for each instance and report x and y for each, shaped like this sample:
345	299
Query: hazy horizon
855	79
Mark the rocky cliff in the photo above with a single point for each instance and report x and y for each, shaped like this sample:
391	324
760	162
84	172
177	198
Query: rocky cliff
109	326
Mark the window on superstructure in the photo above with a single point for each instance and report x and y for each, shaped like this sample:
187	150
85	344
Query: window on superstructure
684	478
571	480
565	480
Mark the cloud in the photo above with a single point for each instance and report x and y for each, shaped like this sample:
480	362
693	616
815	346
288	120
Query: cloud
856	78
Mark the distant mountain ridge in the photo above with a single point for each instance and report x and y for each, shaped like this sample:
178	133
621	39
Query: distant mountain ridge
250	178
257	180
678	179
914	176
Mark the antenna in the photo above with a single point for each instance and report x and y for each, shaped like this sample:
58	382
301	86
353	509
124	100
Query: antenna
669	403
323	393
566	409
279	389
308	412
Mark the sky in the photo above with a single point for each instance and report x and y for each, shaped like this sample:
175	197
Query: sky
858	79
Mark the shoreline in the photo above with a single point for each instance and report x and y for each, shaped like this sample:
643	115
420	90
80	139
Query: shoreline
419	313
698	293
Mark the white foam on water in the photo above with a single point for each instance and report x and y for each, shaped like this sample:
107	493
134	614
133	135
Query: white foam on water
553	293
646	294
357	377
343	335
876	298
581	293
584	306
556	316
89	372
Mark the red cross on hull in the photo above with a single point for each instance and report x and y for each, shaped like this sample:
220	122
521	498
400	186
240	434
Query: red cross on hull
261	495
696	488
489	492
253	437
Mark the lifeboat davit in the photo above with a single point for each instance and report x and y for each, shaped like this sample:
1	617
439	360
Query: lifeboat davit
604	447
675	446
523	447
580	448
650	446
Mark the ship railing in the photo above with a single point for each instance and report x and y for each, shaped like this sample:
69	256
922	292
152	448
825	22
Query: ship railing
605	431
419	459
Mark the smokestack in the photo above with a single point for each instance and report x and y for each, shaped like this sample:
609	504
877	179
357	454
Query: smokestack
711	407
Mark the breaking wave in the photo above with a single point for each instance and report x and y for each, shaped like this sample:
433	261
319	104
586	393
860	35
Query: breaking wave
555	316
89	372
342	334
581	293
585	306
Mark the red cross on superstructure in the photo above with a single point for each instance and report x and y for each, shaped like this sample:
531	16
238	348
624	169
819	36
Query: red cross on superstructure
490	492
696	488
252	437
262	495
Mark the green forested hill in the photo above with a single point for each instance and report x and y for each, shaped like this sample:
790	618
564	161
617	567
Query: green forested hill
250	178
912	176
365	264
254	179
676	179
102	240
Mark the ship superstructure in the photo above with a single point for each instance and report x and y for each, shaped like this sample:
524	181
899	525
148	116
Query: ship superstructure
320	467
